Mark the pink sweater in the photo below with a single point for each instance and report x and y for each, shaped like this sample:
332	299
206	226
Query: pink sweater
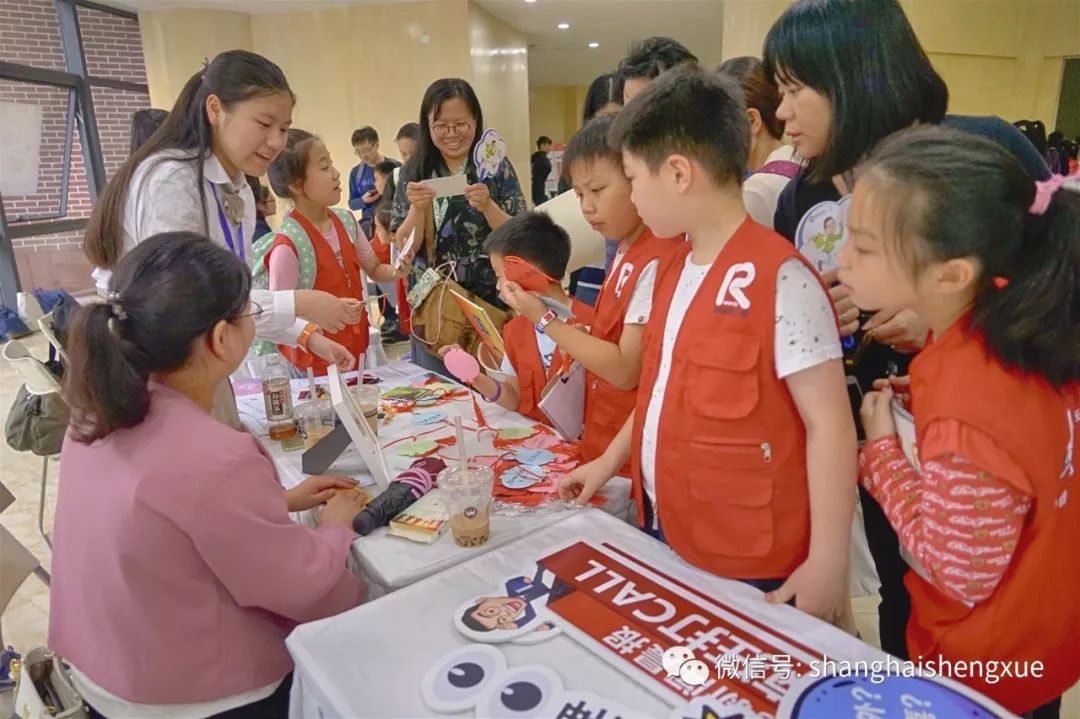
177	572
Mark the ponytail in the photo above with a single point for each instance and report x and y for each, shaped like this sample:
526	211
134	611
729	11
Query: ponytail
233	76
957	195
164	295
1033	322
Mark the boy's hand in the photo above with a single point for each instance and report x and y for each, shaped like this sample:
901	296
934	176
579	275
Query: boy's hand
479	196
585	481
820	588
523	302
877	419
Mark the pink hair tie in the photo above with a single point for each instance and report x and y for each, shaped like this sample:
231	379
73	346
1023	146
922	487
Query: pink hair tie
1045	189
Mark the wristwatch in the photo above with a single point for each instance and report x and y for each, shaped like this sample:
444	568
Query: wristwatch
546	320
306	334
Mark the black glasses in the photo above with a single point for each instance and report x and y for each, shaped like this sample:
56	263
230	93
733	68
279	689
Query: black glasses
255	311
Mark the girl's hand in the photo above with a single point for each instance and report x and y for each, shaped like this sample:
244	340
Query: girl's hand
902	330
479	196
524	303
420	195
877	419
331	313
585	481
404	266
314	491
819	587
846	310
443	351
327	349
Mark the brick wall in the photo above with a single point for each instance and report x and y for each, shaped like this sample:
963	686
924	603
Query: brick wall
30	35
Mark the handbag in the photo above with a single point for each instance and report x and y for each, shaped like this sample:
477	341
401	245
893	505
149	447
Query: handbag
44	689
37	423
438	320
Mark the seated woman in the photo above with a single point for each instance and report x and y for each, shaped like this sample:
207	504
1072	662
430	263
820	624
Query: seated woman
177	572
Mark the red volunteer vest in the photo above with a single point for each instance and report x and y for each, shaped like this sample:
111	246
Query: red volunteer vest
1034	613
519	338
731	485
330	277
607	406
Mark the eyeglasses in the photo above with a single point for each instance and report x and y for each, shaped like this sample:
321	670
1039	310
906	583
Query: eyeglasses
255	311
362	150
443	129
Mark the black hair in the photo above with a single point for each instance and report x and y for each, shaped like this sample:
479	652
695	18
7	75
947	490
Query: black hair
260	192
290	166
144	123
542	140
470	621
165	294
688	111
534	237
603	91
761	92
234	76
655	55
428	160
590	144
864	58
953	194
365	134
384	211
1035	131
386	167
410	131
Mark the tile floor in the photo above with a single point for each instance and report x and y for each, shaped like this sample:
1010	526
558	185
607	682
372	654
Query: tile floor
25	621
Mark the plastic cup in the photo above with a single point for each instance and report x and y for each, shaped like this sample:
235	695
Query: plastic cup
367	398
468	491
315	419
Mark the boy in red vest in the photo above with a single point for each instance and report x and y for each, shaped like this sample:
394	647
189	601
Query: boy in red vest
533	243
741	440
611	351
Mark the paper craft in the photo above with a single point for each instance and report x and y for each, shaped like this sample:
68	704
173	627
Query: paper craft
586	244
511	433
489	154
563	403
521	476
415	448
529	691
531	278
510	611
407	394
447	186
822	232
363	438
405	250
546	630
423	419
534	456
462	365
481	321
885	695
455	682
540	440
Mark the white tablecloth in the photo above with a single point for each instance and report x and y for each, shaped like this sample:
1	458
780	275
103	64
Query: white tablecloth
369	662
389	563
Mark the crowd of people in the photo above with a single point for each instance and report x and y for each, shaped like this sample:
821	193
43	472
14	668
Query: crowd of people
752	394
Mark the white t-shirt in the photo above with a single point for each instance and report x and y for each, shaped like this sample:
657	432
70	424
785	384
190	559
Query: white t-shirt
164	197
761	191
806	336
640	306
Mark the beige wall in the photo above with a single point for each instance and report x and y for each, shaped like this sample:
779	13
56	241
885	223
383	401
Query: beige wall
177	42
499	58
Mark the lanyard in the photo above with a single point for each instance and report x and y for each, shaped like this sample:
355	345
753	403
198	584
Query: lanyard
226	230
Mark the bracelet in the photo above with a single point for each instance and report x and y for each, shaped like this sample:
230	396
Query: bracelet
498	393
310	329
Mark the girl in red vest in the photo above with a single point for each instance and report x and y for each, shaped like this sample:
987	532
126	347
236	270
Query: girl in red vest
611	350
318	244
949	225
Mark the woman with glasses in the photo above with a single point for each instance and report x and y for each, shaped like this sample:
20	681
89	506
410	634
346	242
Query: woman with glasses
177	572
451	123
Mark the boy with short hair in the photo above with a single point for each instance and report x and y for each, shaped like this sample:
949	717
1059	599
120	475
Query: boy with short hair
611	351
742	440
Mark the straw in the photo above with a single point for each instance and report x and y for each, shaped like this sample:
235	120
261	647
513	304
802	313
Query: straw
462	458
311	383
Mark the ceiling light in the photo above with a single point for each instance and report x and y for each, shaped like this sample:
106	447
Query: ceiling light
594	45
564	26
530	1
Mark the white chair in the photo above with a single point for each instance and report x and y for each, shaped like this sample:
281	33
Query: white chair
46	325
39	381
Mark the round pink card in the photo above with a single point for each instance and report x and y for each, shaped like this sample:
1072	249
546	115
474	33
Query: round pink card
462	365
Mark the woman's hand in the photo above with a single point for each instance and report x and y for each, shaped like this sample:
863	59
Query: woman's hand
331	313
903	330
479	196
314	491
846	310
327	349
877	419
523	302
342	507
420	195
